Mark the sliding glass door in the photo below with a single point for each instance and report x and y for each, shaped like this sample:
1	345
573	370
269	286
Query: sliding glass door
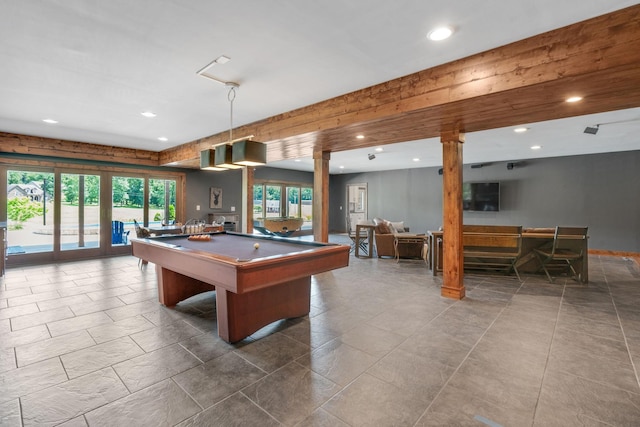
30	219
80	211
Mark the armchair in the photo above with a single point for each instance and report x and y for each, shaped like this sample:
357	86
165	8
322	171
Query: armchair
384	237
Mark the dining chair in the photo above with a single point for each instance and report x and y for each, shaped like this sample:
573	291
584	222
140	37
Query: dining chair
566	250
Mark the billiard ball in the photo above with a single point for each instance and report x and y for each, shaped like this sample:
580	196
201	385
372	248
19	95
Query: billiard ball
256	245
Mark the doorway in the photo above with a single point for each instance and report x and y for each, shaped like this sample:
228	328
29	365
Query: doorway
357	204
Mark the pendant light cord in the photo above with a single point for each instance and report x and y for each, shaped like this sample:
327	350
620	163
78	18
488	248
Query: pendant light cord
231	96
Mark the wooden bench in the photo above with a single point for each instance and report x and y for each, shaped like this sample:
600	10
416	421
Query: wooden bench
492	247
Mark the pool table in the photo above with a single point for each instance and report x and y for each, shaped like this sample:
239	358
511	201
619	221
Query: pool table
254	286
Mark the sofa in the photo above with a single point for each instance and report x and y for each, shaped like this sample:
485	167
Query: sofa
384	235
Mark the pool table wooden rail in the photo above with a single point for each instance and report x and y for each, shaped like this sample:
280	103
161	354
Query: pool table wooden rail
250	294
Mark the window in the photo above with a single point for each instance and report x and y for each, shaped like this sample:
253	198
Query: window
268	202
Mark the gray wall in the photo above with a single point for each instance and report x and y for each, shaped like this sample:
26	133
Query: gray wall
601	191
199	183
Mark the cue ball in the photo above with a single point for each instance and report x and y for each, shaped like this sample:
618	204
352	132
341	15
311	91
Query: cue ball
256	245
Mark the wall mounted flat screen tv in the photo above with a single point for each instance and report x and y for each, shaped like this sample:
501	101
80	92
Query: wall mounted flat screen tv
481	196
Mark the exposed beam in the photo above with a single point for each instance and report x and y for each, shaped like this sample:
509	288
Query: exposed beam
523	82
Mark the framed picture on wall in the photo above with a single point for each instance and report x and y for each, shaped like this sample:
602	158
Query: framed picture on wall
215	198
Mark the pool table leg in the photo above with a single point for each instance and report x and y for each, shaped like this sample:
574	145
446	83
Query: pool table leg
240	315
175	287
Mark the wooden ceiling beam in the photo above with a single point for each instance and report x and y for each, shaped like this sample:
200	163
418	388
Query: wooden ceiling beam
523	82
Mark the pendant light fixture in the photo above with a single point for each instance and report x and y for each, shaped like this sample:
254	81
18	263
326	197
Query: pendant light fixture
233	154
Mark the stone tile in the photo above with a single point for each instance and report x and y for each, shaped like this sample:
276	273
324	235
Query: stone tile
616	373
148	294
10	415
31	298
292	393
218	378
162	336
69	400
150	368
52	347
569	342
40	318
7	359
272	352
568	400
415	375
337	361
61	302
91	359
372	340
24	336
128	326
87	321
21	310
109	293
161	404
456	407
94	306
4	294
132	310
38	376
3	303
321	418
77	290
207	346
237	410
513	390
75	422
438	346
313	334
369	401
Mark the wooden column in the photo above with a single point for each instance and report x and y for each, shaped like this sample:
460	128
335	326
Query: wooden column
248	173
453	258
321	196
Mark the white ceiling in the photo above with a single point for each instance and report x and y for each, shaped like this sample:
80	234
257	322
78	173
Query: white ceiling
95	65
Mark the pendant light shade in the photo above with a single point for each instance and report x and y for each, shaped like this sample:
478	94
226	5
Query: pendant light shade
249	153
207	161
223	157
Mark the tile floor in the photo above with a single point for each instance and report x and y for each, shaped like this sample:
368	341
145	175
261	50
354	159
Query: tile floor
86	343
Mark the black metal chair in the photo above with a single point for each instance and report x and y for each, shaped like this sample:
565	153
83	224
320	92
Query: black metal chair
362	240
565	252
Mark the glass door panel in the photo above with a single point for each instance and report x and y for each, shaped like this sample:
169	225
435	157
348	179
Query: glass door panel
80	211
162	202
273	201
127	205
306	207
293	202
258	202
29	212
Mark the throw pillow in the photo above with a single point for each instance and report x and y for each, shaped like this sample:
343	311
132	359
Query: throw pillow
383	228
397	226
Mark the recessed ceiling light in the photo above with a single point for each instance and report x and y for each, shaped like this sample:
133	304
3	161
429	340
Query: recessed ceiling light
163	138
440	33
520	130
415	159
379	149
574	99
536	147
50	121
360	136
297	160
148	114
341	167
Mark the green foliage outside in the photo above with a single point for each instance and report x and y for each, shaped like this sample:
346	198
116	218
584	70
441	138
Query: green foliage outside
21	209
